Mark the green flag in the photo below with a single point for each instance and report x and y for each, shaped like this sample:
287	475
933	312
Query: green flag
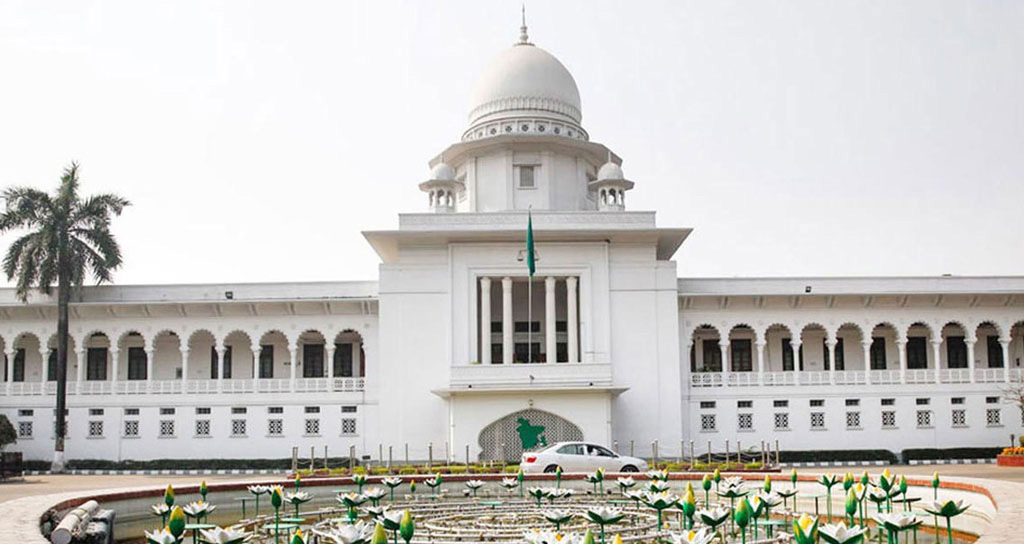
531	262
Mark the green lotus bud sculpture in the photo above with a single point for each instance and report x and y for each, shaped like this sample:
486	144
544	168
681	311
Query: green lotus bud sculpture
169	496
805	530
742	517
406	527
176	522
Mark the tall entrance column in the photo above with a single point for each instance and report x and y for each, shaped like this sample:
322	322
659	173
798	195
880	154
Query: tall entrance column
936	353
901	348
550	341
970	357
761	353
866	346
1005	344
723	349
485	320
506	320
573	319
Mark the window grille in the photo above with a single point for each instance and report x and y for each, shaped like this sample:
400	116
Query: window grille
131	427
993	417
237	427
348	426
24	429
707	405
707	422
745	422
167	427
924	419
312	426
888	419
852	420
275	427
95	428
959	418
817	420
202	427
781	421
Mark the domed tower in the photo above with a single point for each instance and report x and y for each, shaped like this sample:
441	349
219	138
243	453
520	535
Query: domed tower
525	146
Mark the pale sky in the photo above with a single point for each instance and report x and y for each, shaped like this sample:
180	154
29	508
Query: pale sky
257	139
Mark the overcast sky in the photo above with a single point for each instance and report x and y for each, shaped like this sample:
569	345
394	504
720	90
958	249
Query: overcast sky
257	139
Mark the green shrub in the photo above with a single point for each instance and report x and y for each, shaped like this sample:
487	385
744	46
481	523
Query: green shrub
752	466
457	470
512	469
7	433
407	470
820	456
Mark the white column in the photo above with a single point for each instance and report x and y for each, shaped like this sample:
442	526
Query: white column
83	357
572	319
901	348
867	361
795	344
723	349
1006	359
221	350
506	321
970	356
936	353
293	369
830	345
44	356
761	353
115	365
256	349
550	340
150	355
329	362
184	369
485	320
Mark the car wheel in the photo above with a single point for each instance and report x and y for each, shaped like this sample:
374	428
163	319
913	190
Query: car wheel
550	469
629	468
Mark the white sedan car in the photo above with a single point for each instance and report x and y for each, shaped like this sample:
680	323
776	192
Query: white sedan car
579	457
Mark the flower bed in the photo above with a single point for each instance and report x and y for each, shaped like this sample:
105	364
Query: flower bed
1011	457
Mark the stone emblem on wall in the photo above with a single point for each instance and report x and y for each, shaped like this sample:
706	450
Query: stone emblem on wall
509	436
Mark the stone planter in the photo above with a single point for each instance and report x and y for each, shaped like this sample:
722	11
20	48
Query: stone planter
1010	460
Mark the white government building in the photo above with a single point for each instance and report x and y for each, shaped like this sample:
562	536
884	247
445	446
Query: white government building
435	354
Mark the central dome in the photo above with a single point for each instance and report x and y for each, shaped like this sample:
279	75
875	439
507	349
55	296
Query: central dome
525	82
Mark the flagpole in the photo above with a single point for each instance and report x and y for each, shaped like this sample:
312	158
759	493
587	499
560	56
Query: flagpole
529	319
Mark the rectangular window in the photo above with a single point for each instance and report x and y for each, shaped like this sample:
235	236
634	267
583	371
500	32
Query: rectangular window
215	363
497	355
852	420
520	351
275	427
202	427
348	426
95	429
853	402
313	361
780	403
520	326
744	404
787	355
561	352
312	427
526	177
237	427
18	370
712	355
202	411
817	403
923	402
131	427
959	418
348	409
95	411
131	411
956	352
957	400
991	400
917	353
166	427
167	411
136	364
25	413
96	364
275	409
742	355
924	419
24	429
745	422
877	353
993	417
888	419
888	402
312	409
51	366
995	352
267	362
817	420
707	422
238	410
707	404
781	421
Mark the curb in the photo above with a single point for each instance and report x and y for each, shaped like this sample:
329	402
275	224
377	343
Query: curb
163	472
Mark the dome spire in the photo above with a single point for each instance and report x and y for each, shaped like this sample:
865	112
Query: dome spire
524	38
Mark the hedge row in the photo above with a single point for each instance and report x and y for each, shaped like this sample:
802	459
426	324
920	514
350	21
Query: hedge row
198	464
823	456
931	454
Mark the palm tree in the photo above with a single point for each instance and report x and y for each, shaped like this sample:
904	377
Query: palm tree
67	238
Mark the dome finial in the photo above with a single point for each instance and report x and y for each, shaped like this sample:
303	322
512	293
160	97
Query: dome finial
524	38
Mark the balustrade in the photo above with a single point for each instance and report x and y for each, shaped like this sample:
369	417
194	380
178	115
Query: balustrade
197	387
